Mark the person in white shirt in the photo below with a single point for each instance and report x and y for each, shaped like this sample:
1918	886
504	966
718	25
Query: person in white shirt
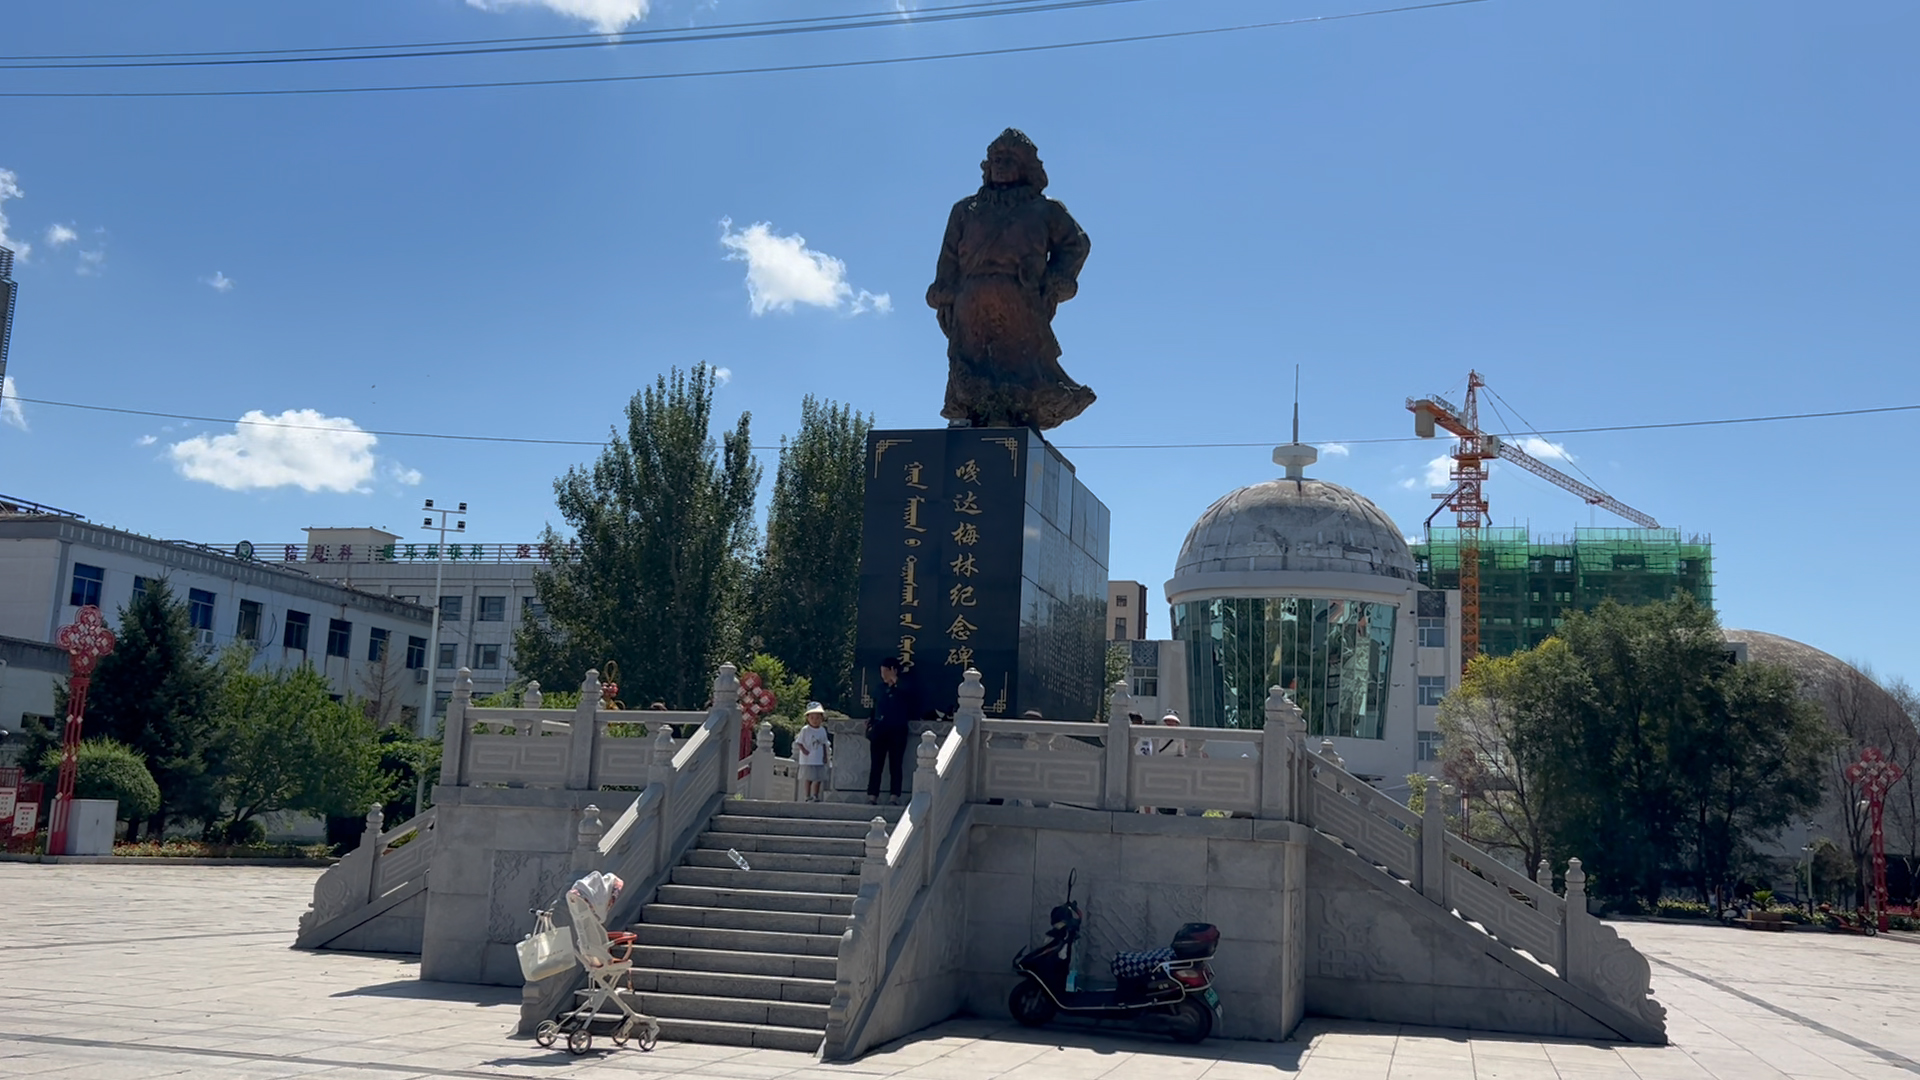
811	750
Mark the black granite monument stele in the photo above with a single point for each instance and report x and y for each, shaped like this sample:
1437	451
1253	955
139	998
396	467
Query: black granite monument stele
982	549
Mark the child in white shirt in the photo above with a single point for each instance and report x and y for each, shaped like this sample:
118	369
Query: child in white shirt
811	750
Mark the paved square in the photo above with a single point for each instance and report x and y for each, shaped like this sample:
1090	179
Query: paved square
134	972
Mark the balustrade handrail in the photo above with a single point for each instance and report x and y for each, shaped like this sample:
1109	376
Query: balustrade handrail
1544	900
1327	773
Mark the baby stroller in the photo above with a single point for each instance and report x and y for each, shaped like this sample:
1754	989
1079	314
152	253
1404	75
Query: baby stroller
587	903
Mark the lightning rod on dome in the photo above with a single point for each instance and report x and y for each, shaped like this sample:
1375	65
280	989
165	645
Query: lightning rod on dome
1296	455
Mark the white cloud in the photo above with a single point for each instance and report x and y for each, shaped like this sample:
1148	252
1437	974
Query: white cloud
1409	483
90	262
782	272
722	375
605	16
1334	449
403	475
146	440
60	235
10	412
1439	473
1544	450
219	282
10	189
301	448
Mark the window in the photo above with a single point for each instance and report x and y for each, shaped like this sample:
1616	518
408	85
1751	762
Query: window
1433	633
376	644
486	657
1432	689
1120	628
1146	680
1430	604
339	637
1430	744
440	699
200	612
139	587
408	599
86	585
1563	566
416	652
1120	601
449	656
296	633
532	608
450	608
492	609
248	626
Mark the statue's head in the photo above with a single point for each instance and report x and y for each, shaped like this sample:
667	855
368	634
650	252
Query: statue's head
1012	159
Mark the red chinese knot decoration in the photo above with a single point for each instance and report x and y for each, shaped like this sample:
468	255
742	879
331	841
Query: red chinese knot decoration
86	639
755	701
1874	775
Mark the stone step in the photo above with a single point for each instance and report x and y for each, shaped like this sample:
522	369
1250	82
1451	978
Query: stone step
786	845
783	965
773	922
755	899
774	860
773	880
731	985
693	935
794	826
721	1033
787	1014
821	811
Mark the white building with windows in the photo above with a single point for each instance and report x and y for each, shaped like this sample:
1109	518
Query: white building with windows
1307	585
372	647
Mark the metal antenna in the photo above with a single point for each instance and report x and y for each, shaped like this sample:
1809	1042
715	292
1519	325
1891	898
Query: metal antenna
1296	403
1295	456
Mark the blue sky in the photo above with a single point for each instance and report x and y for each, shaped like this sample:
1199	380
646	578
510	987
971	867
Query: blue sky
1620	213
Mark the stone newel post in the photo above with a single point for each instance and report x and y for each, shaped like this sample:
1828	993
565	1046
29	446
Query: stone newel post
581	733
1119	749
586	841
453	734
760	767
726	696
1279	754
1433	845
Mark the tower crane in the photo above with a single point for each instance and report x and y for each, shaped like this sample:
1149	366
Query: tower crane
1468	498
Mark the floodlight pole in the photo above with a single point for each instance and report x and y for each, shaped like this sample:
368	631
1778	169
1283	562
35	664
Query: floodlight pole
425	727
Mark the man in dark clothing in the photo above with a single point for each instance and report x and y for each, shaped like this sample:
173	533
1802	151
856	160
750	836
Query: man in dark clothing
895	707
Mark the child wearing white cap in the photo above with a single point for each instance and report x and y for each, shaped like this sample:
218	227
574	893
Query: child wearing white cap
810	752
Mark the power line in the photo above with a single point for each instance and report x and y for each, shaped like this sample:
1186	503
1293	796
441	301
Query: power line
1064	446
723	72
595	36
679	36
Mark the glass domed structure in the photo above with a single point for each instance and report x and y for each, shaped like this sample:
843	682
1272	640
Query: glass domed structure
1298	583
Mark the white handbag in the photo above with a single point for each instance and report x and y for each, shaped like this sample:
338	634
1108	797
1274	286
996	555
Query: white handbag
546	952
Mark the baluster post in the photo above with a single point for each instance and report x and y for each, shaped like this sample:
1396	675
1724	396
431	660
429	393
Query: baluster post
926	792
531	697
370	849
453	734
581	734
726	700
1276	756
1433	845
1543	875
967	718
760	769
1576	929
661	776
1119	780
586	840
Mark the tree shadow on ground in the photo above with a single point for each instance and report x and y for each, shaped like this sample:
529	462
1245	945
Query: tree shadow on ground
419	990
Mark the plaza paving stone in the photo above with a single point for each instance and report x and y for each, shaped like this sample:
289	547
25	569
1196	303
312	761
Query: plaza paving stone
129	972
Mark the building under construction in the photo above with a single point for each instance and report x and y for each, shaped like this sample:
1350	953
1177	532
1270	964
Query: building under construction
1527	583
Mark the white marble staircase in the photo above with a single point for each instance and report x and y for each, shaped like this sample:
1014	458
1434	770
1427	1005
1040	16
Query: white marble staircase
748	957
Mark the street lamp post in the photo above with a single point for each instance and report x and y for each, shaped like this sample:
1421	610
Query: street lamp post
1806	872
433	640
1873	774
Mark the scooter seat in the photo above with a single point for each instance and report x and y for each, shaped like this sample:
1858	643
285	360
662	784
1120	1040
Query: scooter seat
1135	965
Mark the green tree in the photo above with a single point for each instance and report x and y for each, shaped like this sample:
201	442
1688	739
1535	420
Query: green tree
1477	721
791	693
108	769
154	693
663	524
287	745
806	591
1119	669
1654	757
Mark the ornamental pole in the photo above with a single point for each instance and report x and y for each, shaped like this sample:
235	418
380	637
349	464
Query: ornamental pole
1873	774
86	639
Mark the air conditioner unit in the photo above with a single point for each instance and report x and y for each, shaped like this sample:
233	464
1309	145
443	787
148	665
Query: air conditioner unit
206	637
419	674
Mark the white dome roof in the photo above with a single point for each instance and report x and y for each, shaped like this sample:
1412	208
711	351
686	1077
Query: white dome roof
1299	526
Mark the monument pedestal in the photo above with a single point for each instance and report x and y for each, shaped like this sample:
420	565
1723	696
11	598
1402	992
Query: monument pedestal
980	548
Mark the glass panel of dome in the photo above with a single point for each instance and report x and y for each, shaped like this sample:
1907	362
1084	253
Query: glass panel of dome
1333	655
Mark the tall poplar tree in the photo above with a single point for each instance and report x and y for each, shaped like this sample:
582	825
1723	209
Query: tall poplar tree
662	539
808	585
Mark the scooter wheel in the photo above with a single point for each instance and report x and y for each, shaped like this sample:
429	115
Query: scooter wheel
546	1034
579	1041
1030	1004
1190	1022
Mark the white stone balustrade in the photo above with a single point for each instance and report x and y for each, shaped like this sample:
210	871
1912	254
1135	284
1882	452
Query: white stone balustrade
370	878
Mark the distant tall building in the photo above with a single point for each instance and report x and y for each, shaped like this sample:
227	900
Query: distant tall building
1126	611
1528	584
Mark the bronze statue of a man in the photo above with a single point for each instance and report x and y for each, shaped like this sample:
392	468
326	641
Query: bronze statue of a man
1010	257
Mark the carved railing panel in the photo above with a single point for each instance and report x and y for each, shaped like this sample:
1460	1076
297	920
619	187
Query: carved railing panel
516	760
1196	783
1351	818
1508	920
396	866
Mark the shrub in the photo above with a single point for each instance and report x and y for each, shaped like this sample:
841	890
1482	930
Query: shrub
109	769
1763	899
1672	908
